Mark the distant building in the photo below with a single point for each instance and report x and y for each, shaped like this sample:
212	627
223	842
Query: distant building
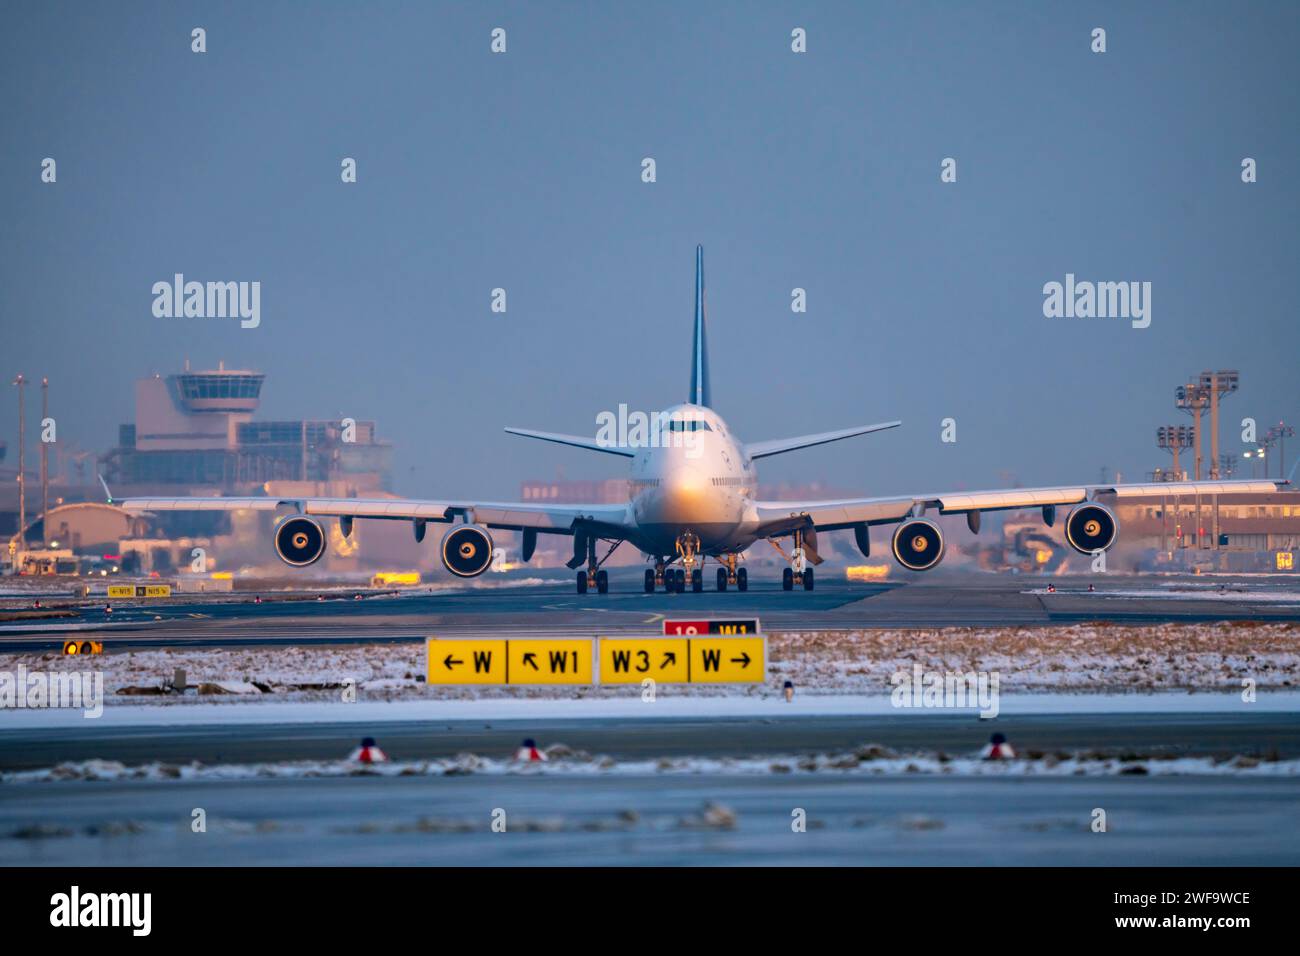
1236	532
195	433
196	430
1243	523
608	491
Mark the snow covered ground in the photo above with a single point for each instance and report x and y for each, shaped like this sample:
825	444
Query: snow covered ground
259	711
1085	658
869	759
1232	592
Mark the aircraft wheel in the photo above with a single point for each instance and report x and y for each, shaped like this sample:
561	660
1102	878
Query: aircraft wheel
649	581
697	580
808	579
787	580
602	581
680	579
582	582
722	579
742	580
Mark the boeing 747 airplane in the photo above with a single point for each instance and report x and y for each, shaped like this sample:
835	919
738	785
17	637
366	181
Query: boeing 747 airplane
692	497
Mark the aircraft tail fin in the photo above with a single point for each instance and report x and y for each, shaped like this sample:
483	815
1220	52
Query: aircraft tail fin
699	350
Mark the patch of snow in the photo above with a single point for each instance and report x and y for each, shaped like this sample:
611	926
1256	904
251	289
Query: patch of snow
260	711
869	760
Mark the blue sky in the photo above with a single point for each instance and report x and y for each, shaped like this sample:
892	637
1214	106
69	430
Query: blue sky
522	171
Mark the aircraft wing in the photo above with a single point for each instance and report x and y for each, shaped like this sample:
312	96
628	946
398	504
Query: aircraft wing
514	516
780	517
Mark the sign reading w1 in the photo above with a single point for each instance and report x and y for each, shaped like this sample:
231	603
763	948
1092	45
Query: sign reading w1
736	626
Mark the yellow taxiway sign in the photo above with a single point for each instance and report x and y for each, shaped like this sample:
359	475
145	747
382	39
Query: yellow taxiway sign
550	661
466	661
727	660
630	660
621	660
139	590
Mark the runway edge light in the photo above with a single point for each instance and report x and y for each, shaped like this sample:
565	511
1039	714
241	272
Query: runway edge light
82	648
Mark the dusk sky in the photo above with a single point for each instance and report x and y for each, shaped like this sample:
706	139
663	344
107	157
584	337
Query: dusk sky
522	171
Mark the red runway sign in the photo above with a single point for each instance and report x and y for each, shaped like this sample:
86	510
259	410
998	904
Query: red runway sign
734	626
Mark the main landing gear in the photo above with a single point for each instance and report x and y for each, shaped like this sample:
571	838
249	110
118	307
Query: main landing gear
595	576
799	571
729	574
676	580
598	579
691	573
790	577
672	580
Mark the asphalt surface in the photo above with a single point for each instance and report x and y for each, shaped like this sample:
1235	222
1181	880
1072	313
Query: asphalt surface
555	820
626	739
653	819
966	600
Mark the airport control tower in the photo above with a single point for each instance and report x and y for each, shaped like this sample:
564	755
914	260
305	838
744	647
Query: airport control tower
196	429
193	410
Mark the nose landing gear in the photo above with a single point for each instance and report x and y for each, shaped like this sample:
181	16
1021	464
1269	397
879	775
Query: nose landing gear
688	546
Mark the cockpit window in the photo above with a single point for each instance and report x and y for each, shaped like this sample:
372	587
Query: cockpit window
696	426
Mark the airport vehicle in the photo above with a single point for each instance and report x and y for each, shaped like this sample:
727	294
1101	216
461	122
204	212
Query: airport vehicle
692	497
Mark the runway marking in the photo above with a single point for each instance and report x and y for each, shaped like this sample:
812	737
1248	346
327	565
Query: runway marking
653	618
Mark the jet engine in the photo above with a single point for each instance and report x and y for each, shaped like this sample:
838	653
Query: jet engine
918	544
467	550
299	541
1090	528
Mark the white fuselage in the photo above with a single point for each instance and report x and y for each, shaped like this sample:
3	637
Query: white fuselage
695	479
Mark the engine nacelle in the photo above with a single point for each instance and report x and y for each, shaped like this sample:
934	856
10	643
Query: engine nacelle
918	544
467	550
1090	528
299	541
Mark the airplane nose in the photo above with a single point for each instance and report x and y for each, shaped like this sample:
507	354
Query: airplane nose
686	481
683	491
